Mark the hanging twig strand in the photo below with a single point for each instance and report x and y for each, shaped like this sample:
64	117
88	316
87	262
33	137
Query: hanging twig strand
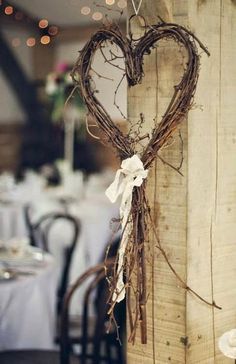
127	145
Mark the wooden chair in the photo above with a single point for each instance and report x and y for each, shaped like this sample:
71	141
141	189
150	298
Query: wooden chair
93	336
111	252
39	236
97	344
29	225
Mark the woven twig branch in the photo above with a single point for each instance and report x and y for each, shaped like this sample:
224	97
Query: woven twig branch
181	101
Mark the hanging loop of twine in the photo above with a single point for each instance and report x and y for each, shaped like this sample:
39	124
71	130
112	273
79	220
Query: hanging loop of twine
137	8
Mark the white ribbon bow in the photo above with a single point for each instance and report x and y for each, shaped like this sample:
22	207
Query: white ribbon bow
130	175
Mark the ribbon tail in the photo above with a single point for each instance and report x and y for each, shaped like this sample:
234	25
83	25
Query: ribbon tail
119	292
130	175
114	190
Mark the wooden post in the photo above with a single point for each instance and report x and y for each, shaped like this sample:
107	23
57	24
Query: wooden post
195	214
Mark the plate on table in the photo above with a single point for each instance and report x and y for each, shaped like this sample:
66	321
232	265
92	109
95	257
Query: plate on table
27	256
6	275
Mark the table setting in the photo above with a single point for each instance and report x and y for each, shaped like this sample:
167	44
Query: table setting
29	277
28	284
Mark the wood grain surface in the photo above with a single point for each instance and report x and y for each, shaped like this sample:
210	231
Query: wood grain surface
195	214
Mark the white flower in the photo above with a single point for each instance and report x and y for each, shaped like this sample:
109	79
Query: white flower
227	344
51	87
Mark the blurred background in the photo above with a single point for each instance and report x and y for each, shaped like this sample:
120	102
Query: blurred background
56	223
39	44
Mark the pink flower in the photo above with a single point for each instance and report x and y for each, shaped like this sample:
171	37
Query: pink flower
62	67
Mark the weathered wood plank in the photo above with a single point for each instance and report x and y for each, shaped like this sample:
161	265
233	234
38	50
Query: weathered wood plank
167	198
202	151
196	213
211	224
225	197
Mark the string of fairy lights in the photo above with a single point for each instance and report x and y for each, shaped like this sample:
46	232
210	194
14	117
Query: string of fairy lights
49	31
97	15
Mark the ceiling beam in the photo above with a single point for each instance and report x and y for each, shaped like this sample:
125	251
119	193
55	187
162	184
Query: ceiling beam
20	84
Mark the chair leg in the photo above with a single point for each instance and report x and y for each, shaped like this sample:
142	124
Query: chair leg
97	353
120	354
108	350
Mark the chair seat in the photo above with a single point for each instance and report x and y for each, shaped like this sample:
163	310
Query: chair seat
32	357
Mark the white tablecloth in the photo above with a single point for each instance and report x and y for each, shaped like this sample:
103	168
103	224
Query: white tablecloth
12	223
95	213
27	309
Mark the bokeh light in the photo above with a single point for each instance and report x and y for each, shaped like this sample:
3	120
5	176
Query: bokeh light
8	10
110	2
53	30
122	4
43	23
85	10
31	42
15	42
45	39
97	16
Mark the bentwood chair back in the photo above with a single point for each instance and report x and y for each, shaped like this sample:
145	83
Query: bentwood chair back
39	232
98	345
29	225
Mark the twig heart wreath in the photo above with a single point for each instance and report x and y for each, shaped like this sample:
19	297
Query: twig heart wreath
130	180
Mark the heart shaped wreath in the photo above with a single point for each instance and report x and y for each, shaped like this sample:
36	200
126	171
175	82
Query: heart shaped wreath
134	225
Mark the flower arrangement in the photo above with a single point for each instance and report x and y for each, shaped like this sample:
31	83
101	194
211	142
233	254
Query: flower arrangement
59	86
67	107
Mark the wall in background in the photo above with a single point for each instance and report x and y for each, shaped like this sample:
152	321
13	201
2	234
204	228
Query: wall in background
69	51
11	111
33	62
37	62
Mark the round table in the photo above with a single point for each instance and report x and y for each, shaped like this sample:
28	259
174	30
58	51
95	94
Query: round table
27	307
